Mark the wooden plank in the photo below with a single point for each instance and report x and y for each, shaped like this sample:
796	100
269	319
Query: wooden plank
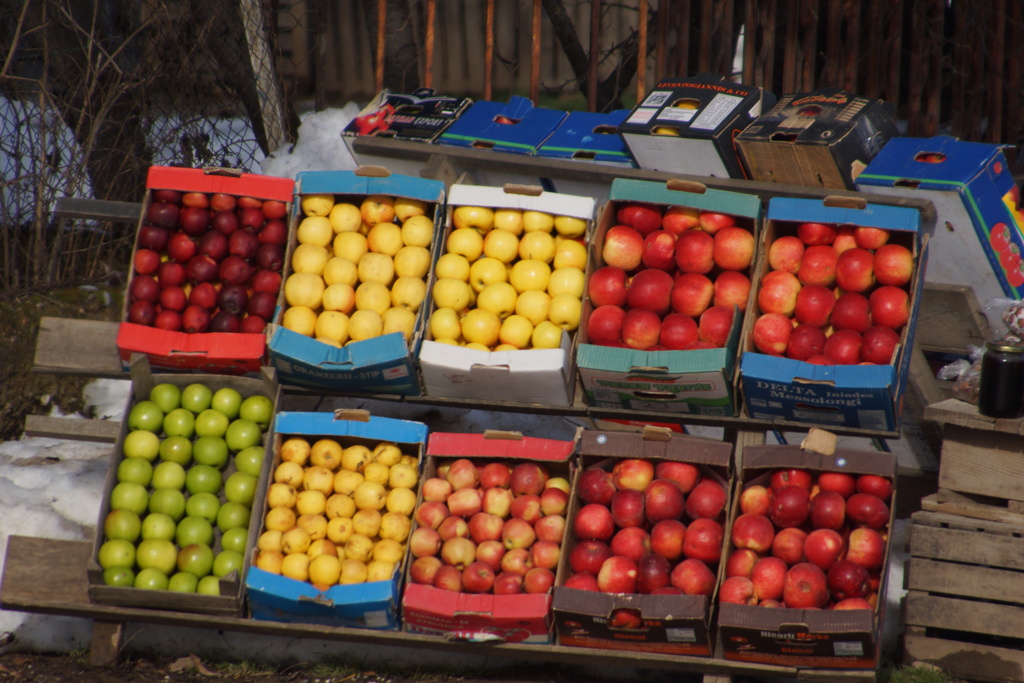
962	414
953	578
98	210
970	616
64	593
99	431
105	646
984	462
77	347
971	661
975	507
952	538
950	318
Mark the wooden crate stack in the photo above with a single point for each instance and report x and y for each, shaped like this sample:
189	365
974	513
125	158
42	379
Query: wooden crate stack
964	609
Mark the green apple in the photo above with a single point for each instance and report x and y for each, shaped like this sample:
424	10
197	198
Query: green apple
146	415
228	401
235	539
209	585
141	443
119	576
151	578
203	479
240	487
128	495
259	409
196	397
210	450
171	502
137	470
226	562
166	395
157	553
183	582
157	525
242	434
203	505
232	515
250	460
123	524
211	422
168	475
196	558
192	530
116	552
180	422
176	449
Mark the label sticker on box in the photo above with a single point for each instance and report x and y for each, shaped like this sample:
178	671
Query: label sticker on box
849	649
681	635
642	116
677	114
377	619
657	98
718	110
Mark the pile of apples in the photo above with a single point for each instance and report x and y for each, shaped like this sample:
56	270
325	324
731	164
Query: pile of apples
179	513
359	268
647	527
833	295
208	262
338	515
509	279
670	280
809	540
489	527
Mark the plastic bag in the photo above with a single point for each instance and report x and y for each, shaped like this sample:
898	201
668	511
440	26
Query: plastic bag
965	374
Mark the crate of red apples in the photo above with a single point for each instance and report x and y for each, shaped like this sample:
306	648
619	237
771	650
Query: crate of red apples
667	284
644	544
206	269
807	559
833	311
487	537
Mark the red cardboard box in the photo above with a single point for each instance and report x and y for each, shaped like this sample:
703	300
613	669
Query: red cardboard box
665	624
233	353
518	618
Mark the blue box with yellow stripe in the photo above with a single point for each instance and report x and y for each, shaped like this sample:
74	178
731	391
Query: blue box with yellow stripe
515	126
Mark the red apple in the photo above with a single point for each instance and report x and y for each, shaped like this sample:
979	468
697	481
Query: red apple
604	325
894	265
706	500
878	343
814	305
823	547
793	476
142	313
181	247
685	475
274	231
692	293
769	576
713	222
153	237
741	562
703	540
251	218
173	298
890	306
788	545
790	506
805	342
853	603
252	324
875	485
588	556
550	528
144	288
753	532
146	261
737	590
221	201
194	220
870	238
168	320
633	542
786	253
651	289
607	286
680	218
818	266
163	214
453	526
778	292
867	509
844	238
482	527
652	573
435	489
224	221
866	547
464	502
667	538
195	319
236	270
424	541
623	247
448	578
842	483
733	248
693	577
677	331
527	478
424	569
596	485
843	347
770	334
695	252
582	581
732	288
659	250
715	324
663	500
632	473
506	583
478	577
517	533
828	510
431	513
266	281
274	208
593	521
816	233
516	561
641	328
617	575
545	554
848	579
644	218
527	506
553	501
805	587
755	500
855	270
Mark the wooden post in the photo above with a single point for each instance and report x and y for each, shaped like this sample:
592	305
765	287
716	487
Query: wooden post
595	54
265	72
428	45
535	54
641	53
664	10
382	16
489	50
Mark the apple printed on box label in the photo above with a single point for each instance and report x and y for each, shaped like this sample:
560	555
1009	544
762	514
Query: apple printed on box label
819	539
672	262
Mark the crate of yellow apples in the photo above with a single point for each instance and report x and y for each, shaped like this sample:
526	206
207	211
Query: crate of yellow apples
354	299
506	295
336	521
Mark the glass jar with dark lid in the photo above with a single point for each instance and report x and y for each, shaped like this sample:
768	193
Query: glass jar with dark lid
1001	385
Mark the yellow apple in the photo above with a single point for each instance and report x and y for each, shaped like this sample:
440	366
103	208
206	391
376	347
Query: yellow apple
502	245
407	207
529	274
304	289
301	319
364	324
309	258
417	231
506	347
412	261
399	320
377	208
567	280
547	335
373	296
454	266
537	245
373	267
498	298
565	311
330	342
317	204
485	271
451	293
570	226
339	297
350	245
509	219
480	326
444	324
570	253
479	218
533	305
409	293
538	221
340	270
448	341
315	230
384	238
345	217
477	346
516	331
333	325
466	242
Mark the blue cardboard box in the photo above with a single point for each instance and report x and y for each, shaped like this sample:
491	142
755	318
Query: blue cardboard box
374	604
384	364
697	381
515	126
857	396
980	234
589	136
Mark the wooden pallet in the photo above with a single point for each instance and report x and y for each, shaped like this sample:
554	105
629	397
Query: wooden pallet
975	506
964	609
